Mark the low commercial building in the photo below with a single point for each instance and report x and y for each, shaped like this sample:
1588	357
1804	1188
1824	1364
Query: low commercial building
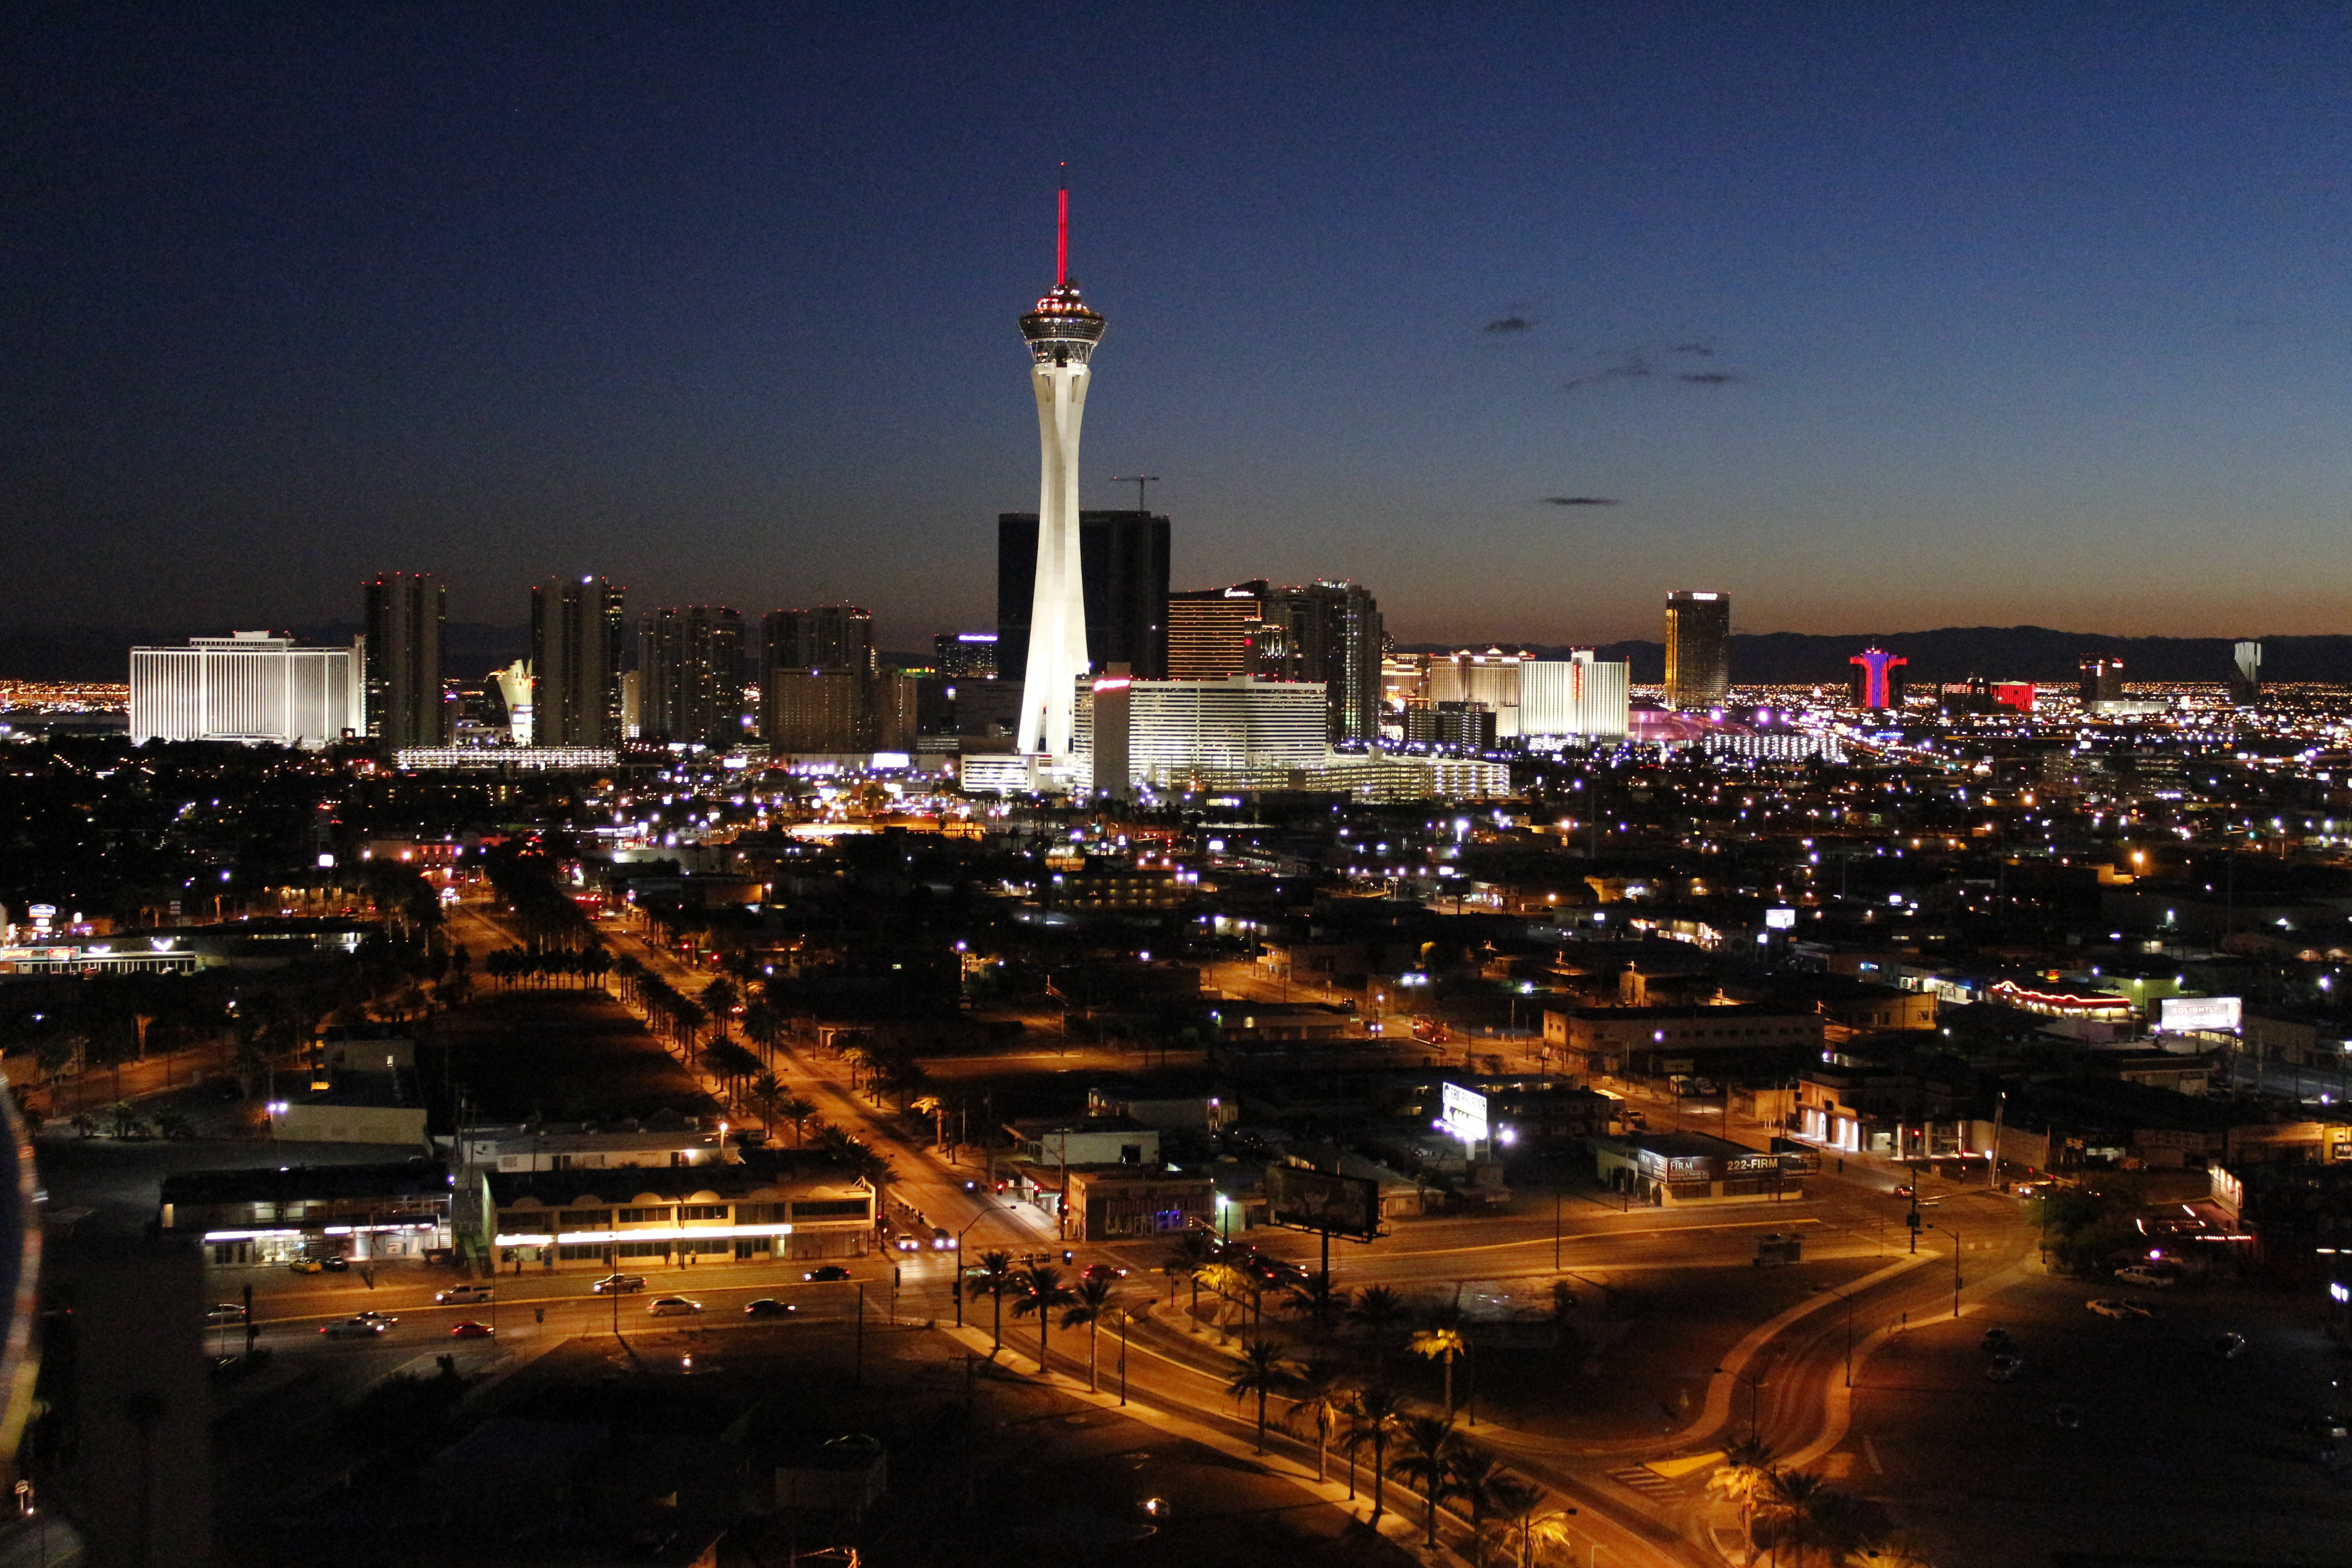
278	1215
773	1207
1676	1170
1084	1140
1655	1041
1119	1203
356	1106
576	1146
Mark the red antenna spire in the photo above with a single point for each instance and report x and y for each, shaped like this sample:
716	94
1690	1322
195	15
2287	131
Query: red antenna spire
1062	236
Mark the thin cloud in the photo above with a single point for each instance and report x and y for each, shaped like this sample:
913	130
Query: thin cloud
1510	325
1581	500
1704	350
1706	377
1631	368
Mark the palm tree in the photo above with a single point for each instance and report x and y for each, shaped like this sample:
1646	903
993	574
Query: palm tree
721	997
1263	1372
797	1109
1043	1282
1185	1260
1516	1504
763	1026
1746	1478
1317	1301
1321	1400
1792	1505
1090	1304
1479	1479
1442	1344
1377	1415
1379	1310
1431	1448
766	1090
995	1274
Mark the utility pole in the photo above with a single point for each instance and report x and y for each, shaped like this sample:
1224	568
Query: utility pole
1138	481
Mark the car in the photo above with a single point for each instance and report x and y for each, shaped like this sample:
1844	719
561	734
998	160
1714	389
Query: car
617	1284
1907	1191
1104	1271
225	1313
2138	1274
2109	1307
1996	1342
2004	1368
826	1273
386	1318
355	1328
672	1307
336	1264
2326	1425
769	1307
307	1265
471	1331
2230	1347
462	1296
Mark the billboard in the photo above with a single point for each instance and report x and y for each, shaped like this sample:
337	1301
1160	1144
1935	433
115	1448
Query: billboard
1464	1112
2181	1015
1317	1200
1781	920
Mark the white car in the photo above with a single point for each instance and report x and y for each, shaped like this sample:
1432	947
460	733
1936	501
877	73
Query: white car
2115	1308
2154	1278
462	1296
355	1328
673	1307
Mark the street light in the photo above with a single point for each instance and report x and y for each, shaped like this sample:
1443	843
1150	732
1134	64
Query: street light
1955	1235
1755	1382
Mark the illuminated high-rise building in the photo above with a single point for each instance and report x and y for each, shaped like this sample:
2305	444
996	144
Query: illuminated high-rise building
575	662
406	612
2246	675
690	676
1062	333
1876	687
1329	633
1209	630
1579	695
250	687
1698	648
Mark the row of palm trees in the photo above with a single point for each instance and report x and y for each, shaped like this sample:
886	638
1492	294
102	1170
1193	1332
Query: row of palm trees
1501	1510
1800	1519
540	965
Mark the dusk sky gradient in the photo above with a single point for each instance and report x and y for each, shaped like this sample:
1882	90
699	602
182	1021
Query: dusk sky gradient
1876	317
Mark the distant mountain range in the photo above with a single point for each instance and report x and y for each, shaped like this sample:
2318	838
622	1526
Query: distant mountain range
1998	653
1952	653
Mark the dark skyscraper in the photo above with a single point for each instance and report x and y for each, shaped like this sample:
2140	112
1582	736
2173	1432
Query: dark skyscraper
575	653
817	679
1123	558
2246	675
965	653
1698	649
406	612
1328	632
690	676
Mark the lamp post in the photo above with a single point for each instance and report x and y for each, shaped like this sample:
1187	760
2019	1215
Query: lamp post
1955	1235
1755	1382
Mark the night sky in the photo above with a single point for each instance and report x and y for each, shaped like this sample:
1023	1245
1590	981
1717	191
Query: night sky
1875	316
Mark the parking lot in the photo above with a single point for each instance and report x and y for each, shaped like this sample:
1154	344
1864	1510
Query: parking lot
2115	1434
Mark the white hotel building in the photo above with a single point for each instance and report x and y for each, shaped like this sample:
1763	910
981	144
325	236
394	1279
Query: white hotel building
249	686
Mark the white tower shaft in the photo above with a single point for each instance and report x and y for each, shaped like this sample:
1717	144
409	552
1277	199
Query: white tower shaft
1058	613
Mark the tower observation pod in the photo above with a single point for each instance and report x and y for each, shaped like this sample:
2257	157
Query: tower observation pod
1062	334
